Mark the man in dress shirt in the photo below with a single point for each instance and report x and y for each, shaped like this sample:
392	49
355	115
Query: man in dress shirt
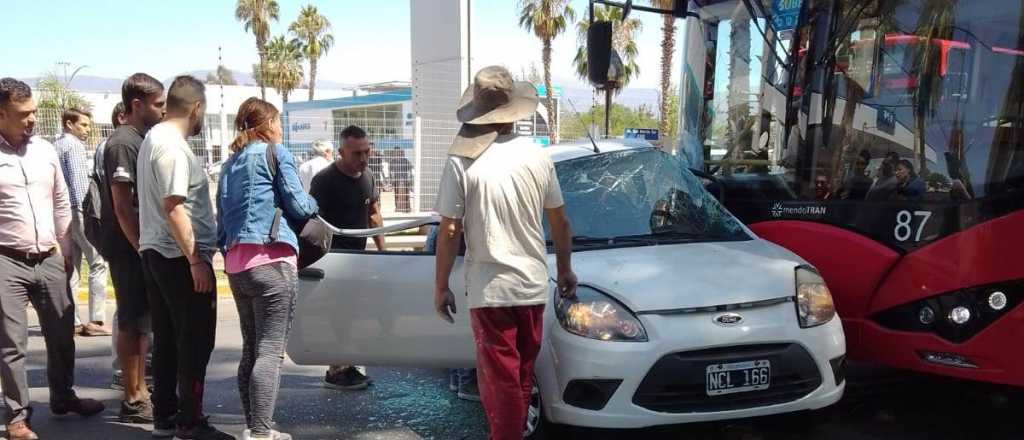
36	214
77	125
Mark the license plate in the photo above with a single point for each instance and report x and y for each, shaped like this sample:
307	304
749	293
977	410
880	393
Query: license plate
738	377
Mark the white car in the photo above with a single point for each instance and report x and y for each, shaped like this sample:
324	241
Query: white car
682	315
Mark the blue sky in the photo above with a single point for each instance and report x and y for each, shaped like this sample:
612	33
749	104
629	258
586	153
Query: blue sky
115	38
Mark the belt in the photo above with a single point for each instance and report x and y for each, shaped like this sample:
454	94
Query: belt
30	258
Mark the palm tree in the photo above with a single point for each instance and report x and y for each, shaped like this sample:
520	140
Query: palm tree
668	44
256	15
282	69
624	34
623	41
55	96
547	19
312	31
936	21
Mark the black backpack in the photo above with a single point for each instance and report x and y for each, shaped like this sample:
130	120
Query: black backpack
314	234
92	210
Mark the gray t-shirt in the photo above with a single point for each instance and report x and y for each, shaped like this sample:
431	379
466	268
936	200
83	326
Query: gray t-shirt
168	168
500	198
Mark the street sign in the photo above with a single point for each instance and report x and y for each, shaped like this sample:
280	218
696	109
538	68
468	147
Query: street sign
885	120
785	14
650	134
542	91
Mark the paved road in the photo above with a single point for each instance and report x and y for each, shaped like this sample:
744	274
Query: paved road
414	403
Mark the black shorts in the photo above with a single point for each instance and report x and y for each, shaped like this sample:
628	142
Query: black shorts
130	287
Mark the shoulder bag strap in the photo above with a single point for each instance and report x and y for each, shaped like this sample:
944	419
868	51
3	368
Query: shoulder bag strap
274	171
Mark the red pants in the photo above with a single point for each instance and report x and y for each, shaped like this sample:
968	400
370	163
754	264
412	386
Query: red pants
507	343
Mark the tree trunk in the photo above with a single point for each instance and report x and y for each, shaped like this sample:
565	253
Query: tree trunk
739	82
668	43
847	134
919	141
261	78
284	97
312	77
549	100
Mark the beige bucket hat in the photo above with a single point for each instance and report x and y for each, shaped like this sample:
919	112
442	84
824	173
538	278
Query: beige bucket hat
493	98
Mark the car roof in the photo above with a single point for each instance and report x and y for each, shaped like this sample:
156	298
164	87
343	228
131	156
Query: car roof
572	150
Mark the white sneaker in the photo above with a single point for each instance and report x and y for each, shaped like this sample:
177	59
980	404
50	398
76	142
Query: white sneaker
274	435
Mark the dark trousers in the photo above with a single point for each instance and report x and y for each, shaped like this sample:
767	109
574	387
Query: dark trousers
184	329
45	285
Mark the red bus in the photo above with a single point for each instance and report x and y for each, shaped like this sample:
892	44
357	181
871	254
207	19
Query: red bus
895	167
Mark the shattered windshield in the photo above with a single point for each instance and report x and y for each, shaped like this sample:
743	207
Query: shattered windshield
643	193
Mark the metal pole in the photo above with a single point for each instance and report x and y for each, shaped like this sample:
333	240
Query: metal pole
223	114
417	149
607	112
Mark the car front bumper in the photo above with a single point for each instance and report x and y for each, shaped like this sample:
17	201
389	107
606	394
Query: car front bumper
688	343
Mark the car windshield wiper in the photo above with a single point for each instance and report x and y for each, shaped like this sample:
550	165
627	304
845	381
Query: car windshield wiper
671	234
586	240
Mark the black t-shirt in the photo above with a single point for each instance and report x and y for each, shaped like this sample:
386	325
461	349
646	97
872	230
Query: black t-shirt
344	202
120	159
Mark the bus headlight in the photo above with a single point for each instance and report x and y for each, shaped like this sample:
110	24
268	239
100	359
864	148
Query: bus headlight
592	314
814	304
997	301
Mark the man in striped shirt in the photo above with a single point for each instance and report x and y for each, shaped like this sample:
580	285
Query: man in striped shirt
74	164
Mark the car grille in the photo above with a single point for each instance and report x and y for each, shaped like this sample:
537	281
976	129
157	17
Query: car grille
676	383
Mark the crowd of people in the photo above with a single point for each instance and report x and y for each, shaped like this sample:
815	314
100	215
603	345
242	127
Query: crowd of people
143	209
895	179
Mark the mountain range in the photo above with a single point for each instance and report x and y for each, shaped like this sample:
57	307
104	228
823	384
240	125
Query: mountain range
99	84
574	95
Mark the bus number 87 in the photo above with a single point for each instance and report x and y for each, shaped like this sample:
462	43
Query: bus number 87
905	224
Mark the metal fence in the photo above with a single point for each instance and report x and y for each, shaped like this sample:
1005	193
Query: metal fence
406	162
205	146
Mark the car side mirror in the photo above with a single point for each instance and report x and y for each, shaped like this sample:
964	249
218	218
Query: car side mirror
711	184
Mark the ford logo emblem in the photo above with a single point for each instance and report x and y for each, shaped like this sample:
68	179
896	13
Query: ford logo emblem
728	319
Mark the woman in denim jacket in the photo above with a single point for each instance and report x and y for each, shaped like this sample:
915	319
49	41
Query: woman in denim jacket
260	254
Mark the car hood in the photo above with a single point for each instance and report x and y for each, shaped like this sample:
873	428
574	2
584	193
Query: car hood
684	275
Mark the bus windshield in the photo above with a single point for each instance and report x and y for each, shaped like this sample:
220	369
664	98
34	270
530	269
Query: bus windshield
861	107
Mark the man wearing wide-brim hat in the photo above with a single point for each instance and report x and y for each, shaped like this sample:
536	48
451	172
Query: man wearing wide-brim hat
496	187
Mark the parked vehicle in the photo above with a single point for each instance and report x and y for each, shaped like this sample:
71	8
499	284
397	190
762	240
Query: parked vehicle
682	315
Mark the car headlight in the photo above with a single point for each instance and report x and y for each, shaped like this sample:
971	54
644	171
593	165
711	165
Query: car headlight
814	304
594	315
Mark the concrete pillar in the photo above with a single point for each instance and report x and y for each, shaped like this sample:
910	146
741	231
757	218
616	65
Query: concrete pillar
440	34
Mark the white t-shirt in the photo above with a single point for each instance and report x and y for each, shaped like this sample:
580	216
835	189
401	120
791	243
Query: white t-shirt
309	168
167	167
500	198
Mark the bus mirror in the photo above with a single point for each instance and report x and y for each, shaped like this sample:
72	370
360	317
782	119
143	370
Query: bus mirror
680	8
599	52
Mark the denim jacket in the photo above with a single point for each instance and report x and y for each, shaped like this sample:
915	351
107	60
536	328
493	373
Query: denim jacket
246	202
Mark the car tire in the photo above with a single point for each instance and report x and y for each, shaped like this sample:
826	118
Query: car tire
537	425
